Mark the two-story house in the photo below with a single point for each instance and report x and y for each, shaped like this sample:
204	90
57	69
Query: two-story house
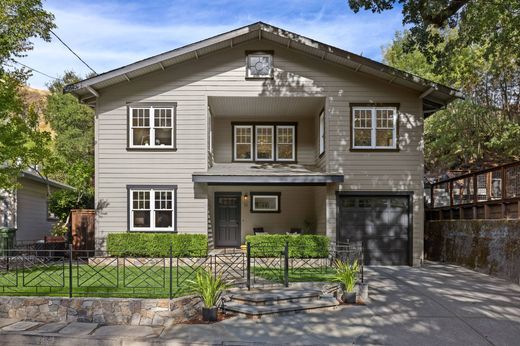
260	128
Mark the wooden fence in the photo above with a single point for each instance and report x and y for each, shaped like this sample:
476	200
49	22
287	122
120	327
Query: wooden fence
488	194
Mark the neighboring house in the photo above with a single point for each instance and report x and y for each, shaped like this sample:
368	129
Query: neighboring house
263	128
26	209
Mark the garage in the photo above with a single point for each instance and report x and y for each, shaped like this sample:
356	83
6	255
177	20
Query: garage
382	222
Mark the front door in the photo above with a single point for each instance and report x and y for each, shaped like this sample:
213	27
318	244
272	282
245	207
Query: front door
227	219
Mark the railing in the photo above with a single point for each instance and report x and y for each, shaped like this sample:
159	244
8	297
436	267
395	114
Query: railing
75	273
487	194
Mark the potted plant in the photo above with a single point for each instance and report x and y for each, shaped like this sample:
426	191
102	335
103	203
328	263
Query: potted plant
209	288
346	274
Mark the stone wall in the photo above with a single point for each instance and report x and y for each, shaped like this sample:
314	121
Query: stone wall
144	312
487	246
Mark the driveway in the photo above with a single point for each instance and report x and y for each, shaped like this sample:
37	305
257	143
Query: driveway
433	305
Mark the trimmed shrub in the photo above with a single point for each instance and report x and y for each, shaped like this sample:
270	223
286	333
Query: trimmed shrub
134	244
300	246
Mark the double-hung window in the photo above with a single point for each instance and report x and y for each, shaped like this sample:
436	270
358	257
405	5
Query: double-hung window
264	142
152	208
374	128
152	126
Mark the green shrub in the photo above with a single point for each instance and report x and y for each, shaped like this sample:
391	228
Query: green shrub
157	244
300	246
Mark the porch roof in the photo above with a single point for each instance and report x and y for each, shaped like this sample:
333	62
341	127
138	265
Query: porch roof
265	173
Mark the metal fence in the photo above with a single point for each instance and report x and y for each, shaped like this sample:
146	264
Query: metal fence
72	273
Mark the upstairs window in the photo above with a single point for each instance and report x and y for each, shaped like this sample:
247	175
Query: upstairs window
374	128
152	126
152	208
322	132
264	142
259	65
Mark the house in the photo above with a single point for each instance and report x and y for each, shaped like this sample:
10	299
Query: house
26	208
263	128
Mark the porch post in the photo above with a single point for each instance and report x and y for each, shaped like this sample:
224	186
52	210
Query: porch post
248	264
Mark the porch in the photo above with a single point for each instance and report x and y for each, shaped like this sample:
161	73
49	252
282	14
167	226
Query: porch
276	198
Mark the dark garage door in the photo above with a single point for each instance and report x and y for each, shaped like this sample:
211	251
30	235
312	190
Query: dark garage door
381	222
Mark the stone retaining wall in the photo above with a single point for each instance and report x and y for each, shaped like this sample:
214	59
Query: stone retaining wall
144	312
487	246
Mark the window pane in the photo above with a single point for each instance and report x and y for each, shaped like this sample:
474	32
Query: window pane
322	132
142	219
259	65
384	138
362	118
141	136
163	200
385	118
141	117
284	140
163	117
163	136
362	138
243	142
243	151
264	143
141	199
163	219
265	203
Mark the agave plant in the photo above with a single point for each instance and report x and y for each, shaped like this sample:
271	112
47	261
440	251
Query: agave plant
208	287
346	274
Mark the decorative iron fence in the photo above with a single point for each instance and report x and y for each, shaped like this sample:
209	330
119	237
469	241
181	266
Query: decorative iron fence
72	273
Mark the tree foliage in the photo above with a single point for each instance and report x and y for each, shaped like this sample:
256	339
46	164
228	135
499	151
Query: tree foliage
22	143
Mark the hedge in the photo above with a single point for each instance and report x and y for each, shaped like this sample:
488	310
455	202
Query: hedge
300	246
157	244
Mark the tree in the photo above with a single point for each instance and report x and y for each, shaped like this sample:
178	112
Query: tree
73	124
469	133
21	144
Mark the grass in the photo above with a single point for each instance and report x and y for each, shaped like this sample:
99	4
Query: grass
101	281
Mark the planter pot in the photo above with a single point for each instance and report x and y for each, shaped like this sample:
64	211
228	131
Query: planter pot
348	297
209	314
361	293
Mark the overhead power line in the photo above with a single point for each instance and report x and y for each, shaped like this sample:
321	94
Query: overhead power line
73	52
35	70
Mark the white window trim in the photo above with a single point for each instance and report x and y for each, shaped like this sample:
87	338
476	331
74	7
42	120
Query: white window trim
373	111
152	128
322	132
276	197
152	210
273	134
293	128
248	74
250	127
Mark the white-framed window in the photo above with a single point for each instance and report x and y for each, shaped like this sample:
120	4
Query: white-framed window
259	65
152	208
152	126
264	144
374	128
285	142
322	132
265	202
243	143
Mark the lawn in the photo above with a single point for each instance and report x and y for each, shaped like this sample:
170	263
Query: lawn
100	281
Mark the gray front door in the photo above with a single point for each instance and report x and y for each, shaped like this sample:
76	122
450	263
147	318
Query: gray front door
227	219
381	222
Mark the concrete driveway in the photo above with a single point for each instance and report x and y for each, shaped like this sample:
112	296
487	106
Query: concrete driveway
433	305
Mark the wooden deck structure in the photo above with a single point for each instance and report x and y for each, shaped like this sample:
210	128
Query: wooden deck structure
492	193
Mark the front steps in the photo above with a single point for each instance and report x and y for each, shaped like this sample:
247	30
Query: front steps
258	303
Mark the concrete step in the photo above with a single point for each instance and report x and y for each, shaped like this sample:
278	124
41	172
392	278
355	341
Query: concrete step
257	311
274	296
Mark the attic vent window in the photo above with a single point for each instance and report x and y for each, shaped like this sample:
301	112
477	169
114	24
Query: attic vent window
259	65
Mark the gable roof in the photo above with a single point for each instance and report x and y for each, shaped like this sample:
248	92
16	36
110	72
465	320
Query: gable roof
434	95
35	177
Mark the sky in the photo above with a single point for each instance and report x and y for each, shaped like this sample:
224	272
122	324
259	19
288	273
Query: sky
109	34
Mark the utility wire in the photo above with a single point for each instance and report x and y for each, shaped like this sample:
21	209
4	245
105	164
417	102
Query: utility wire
73	52
35	70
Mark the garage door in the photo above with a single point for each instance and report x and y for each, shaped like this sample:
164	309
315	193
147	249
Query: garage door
381	222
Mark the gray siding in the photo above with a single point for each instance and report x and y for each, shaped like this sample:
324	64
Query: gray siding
32	222
222	74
